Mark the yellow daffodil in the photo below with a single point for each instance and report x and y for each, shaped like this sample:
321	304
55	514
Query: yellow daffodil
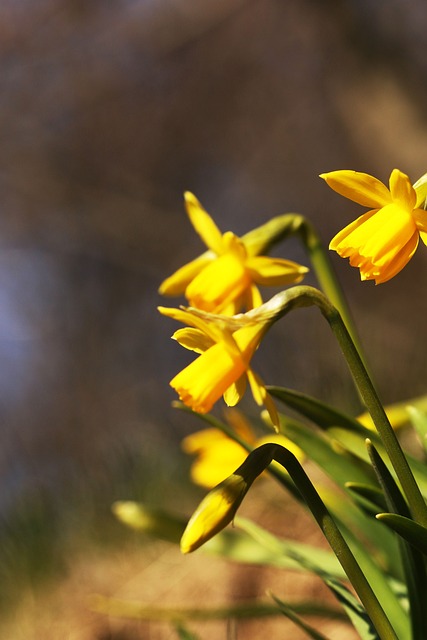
224	279
383	240
226	346
217	455
214	512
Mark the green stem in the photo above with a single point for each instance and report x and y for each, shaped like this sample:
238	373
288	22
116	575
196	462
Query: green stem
327	279
256	462
307	296
373	404
281	227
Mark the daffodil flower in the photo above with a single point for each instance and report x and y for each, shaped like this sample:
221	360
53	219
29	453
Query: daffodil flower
383	240
217	454
226	346
224	279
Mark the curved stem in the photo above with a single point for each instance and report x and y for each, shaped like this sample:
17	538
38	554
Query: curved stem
281	227
256	462
307	296
327	279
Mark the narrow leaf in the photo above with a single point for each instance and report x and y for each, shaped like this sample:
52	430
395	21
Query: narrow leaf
412	560
369	498
319	412
354	610
299	622
419	421
184	634
298	553
411	531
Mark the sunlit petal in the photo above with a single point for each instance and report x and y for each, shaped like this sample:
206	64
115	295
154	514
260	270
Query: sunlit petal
176	284
359	187
262	397
337	243
420	187
201	440
206	379
275	271
214	512
235	392
186	317
278	438
399	261
216	286
390	229
203	224
402	190
382	241
253	297
217	461
193	339
420	217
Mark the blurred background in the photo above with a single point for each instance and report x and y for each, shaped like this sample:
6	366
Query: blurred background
108	113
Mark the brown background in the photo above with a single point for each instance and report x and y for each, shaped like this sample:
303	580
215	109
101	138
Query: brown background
108	112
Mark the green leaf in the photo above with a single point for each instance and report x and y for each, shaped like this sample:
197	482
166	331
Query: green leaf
373	566
411	531
368	497
319	448
356	445
184	634
412	560
178	615
352	606
342	468
298	553
354	610
290	613
319	412
419	421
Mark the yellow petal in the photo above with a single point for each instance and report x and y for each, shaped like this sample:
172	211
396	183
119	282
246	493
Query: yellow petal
218	284
338	242
217	462
359	187
239	423
176	284
248	338
385	233
420	217
278	438
214	512
399	261
253	297
274	271
402	190
235	392
186	317
206	379
421	190
261	396
203	224
203	439
193	339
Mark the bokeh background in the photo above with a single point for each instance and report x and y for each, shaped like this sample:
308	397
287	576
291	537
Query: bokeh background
108	112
